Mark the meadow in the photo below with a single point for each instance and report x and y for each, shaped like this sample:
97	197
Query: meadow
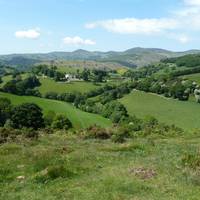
61	166
183	114
78	118
49	85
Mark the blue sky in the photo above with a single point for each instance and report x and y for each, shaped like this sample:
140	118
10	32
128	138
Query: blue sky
29	26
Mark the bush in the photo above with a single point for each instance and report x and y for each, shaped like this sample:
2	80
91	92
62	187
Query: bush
120	135
27	115
8	134
150	121
115	111
30	133
61	122
97	132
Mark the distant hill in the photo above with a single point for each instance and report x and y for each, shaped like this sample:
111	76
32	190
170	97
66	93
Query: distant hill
135	57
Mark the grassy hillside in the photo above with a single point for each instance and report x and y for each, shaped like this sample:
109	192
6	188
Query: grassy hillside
183	114
140	169
193	77
79	118
49	85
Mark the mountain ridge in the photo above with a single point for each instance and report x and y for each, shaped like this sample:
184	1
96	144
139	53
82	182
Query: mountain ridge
134	57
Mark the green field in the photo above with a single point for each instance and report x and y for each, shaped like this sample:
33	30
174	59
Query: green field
79	118
193	77
49	85
7	78
66	69
101	170
183	114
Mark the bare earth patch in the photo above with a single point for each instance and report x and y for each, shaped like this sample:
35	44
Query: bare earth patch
143	173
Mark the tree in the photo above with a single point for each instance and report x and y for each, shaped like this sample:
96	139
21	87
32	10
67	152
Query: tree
85	74
115	111
61	122
27	115
99	75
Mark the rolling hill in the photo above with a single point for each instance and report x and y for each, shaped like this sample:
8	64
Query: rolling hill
134	57
183	114
78	118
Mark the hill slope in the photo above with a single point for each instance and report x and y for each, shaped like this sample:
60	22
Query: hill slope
183	114
78	118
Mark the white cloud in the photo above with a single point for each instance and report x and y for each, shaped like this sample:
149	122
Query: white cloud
78	41
30	34
183	39
192	2
184	20
135	26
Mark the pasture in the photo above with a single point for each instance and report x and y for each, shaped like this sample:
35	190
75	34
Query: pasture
183	114
49	85
78	118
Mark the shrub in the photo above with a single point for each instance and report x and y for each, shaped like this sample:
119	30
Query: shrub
30	133
27	115
61	122
120	135
97	132
8	134
150	121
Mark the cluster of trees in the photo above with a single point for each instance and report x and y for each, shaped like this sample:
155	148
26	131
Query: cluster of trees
104	103
192	60
186	71
95	75
22	87
29	115
144	72
117	92
50	72
175	88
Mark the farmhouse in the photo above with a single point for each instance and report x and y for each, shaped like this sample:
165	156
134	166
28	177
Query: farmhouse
71	77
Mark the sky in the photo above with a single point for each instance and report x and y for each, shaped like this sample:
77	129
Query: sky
33	26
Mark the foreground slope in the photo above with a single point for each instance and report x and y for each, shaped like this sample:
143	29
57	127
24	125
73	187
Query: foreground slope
78	118
140	169
183	114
